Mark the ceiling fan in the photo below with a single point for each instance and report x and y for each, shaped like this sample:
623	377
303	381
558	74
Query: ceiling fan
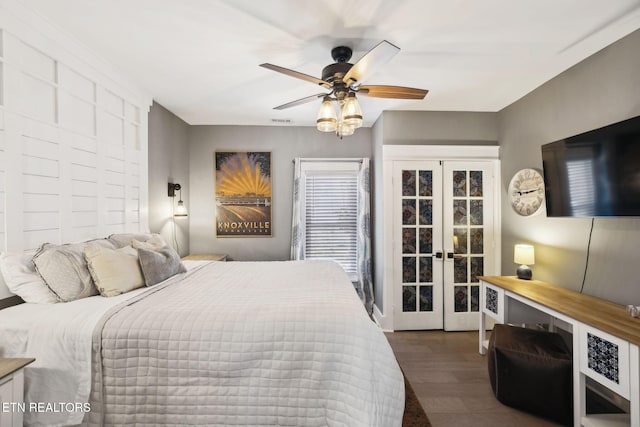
344	82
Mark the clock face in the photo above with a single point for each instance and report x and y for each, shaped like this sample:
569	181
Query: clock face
526	192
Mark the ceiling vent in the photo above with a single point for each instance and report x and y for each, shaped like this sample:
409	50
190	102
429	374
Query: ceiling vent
282	121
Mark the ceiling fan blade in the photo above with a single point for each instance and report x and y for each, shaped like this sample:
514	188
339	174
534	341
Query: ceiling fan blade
300	101
400	92
297	75
377	56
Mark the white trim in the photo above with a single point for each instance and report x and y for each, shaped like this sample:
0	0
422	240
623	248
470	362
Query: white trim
440	152
330	159
310	167
387	245
634	392
382	320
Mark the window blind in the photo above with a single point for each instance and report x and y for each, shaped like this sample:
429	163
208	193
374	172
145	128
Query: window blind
331	218
581	181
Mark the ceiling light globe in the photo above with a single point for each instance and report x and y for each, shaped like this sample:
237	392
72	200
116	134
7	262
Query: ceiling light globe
351	112
346	130
327	117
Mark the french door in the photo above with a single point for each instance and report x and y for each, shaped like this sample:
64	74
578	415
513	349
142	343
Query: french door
443	239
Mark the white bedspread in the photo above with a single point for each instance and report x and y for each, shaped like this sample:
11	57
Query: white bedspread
59	337
266	343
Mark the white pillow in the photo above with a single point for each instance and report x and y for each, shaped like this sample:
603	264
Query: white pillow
114	271
20	275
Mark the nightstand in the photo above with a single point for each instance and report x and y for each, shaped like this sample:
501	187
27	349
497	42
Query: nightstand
206	257
12	391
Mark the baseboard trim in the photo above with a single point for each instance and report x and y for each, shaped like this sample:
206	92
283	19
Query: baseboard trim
382	320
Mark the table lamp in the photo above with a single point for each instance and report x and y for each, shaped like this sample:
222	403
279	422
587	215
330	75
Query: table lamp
524	255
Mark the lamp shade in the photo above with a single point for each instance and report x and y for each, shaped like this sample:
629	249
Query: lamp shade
351	114
524	254
181	210
345	129
327	117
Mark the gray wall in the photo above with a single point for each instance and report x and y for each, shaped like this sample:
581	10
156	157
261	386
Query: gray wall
603	89
419	128
168	162
439	127
285	143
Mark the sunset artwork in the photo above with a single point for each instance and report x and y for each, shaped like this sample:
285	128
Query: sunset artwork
243	193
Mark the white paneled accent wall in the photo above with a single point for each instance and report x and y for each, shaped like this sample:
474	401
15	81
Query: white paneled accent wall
73	138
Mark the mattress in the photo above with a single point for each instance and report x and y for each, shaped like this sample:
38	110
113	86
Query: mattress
240	343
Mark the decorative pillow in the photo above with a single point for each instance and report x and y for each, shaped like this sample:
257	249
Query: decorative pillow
124	239
159	265
154	243
114	271
22	279
64	269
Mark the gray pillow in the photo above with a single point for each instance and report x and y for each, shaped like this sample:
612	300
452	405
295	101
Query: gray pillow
64	269
159	265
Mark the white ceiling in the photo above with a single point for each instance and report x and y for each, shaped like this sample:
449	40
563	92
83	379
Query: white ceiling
199	58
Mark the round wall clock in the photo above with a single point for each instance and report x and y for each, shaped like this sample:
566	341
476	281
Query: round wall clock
526	192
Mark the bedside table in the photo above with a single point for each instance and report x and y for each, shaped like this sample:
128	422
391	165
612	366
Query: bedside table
206	257
12	391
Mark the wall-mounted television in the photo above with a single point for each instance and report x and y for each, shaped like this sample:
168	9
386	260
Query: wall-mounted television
594	174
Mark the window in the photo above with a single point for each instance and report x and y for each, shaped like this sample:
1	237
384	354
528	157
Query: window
581	183
329	212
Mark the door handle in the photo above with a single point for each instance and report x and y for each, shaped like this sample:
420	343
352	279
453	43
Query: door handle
438	254
449	255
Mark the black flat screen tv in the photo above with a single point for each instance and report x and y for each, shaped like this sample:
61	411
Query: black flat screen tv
594	174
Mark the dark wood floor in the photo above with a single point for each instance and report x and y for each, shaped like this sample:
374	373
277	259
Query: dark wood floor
451	380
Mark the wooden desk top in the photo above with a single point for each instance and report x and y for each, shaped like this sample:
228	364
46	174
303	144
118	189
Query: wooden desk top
10	365
604	315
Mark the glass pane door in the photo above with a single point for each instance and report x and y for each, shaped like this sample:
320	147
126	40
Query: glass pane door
468	232
417	190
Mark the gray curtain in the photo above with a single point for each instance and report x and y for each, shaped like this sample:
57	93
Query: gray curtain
297	241
364	236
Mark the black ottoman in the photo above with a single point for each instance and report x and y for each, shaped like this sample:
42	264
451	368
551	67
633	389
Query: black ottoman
531	370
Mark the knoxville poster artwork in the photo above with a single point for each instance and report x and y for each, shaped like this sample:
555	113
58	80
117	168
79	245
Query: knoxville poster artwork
243	193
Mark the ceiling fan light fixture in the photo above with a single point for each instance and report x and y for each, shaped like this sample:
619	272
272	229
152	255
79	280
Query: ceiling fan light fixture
345	129
327	118
344	80
351	112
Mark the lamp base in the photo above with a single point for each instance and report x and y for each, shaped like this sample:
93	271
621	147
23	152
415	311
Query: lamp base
524	272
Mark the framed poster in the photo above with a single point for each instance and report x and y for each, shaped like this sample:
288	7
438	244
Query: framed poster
243	193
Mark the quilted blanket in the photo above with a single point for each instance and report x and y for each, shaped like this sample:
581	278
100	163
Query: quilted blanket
246	343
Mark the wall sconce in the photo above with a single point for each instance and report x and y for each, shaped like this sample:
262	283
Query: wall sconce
525	256
180	209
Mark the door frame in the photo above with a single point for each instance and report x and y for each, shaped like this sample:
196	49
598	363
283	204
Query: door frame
392	153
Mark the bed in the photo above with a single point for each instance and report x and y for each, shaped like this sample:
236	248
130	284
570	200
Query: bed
224	343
